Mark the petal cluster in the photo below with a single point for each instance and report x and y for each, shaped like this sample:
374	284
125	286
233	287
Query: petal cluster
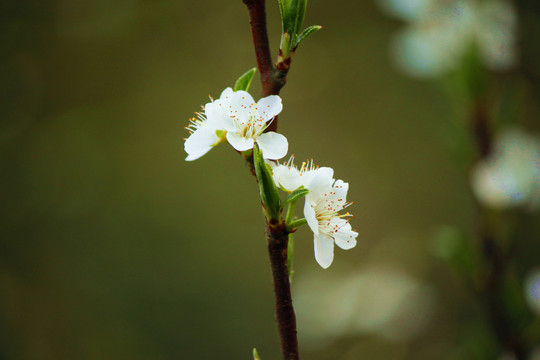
236	117
326	198
440	32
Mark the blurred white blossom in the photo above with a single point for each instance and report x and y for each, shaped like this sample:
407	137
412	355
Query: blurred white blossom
510	176
380	300
532	289
440	32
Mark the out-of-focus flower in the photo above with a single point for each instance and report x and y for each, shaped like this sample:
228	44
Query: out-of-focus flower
532	289
242	121
510	176
440	32
381	300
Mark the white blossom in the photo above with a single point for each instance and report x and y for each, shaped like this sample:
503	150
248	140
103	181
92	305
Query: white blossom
440	32
290	178
510	176
325	199
242	121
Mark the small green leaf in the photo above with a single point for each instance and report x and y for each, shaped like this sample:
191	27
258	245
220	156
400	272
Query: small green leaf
293	13
268	191
256	354
307	31
295	195
244	81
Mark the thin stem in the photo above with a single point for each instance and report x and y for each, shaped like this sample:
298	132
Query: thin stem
297	223
290	212
277	241
290	256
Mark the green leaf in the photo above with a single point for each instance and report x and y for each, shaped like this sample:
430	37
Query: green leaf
256	354
244	81
293	13
268	191
307	31
295	195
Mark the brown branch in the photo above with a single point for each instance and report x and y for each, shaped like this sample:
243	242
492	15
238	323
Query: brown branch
277	240
480	128
272	78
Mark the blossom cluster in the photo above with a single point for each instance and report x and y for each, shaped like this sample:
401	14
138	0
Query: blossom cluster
326	197
440	32
236	118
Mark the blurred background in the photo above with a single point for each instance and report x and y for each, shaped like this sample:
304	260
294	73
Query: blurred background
113	247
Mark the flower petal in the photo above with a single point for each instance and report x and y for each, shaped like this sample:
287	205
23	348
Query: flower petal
269	107
287	177
238	142
217	118
226	93
324	250
311	218
345	237
273	145
200	142
321	183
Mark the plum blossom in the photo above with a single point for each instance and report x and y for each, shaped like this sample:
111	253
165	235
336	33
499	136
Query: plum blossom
510	176
236	117
440	32
326	198
204	135
289	177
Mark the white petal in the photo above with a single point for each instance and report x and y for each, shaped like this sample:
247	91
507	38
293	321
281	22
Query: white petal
424	53
287	177
238	142
309	215
200	142
345	237
497	35
241	100
273	145
217	118
324	250
321	183
269	107
339	194
226	93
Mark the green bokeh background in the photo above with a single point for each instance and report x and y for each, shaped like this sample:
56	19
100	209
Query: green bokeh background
113	247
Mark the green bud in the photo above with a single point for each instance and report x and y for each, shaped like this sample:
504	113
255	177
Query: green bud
269	193
256	354
293	13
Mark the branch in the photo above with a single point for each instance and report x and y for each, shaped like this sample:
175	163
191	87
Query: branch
277	241
272	79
